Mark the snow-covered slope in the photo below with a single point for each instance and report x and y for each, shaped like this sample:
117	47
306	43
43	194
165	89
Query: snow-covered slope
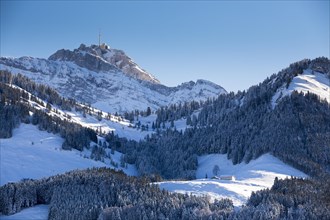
38	212
309	81
106	123
32	153
256	175
107	79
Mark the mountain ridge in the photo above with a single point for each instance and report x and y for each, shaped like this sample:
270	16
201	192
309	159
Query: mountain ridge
91	75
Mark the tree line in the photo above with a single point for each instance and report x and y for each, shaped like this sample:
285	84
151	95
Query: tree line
101	193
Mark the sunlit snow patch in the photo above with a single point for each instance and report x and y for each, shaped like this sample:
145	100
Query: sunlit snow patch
256	175
316	83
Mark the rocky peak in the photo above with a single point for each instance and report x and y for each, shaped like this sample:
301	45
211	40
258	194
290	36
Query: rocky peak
200	82
102	58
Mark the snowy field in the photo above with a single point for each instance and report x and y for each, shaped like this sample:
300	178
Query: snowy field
38	212
35	154
256	175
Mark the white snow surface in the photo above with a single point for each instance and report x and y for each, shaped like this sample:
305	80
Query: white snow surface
316	83
35	154
256	175
38	212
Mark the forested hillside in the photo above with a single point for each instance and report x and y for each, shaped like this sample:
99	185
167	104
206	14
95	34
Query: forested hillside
16	106
295	128
290	199
245	126
105	194
102	192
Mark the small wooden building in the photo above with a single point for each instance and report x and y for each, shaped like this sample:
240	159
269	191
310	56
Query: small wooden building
227	177
103	46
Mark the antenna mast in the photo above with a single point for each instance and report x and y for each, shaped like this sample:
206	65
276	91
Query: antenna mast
99	37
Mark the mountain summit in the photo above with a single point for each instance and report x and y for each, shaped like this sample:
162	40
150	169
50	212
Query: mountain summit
107	79
102	58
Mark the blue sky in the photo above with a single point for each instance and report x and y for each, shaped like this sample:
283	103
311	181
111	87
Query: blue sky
234	44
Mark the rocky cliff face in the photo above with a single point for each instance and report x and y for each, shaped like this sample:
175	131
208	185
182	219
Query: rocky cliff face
107	79
98	59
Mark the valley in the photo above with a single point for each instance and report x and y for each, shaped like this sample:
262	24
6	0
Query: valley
164	110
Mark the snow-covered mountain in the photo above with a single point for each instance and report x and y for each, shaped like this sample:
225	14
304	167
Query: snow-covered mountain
102	58
106	78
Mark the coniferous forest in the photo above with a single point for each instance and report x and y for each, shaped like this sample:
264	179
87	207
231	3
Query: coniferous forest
105	194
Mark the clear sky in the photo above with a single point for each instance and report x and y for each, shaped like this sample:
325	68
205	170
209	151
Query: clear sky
235	44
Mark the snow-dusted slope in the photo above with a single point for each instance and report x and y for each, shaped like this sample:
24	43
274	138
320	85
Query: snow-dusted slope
256	175
107	123
309	81
32	153
38	212
107	79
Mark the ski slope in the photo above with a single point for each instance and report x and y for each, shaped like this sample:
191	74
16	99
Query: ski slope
35	154
256	175
309	81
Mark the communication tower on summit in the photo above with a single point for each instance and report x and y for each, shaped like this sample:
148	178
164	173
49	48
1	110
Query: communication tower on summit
103	45
99	38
